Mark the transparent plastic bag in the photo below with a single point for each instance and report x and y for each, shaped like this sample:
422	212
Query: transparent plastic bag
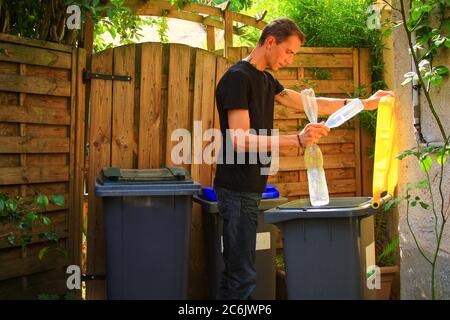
317	183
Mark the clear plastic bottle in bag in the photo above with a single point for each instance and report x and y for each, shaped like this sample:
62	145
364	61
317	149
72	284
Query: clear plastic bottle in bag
317	183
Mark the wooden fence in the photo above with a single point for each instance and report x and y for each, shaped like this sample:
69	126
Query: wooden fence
171	87
41	151
42	137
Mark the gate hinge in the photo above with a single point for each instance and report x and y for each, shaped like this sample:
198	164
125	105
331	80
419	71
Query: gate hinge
87	75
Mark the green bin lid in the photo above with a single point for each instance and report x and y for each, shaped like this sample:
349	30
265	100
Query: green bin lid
132	176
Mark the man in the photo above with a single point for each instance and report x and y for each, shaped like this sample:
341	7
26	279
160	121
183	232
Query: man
245	100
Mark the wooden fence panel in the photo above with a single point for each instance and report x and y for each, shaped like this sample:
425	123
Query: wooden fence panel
172	87
41	149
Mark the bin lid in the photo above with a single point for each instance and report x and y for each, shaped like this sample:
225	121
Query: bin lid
265	204
336	208
141	182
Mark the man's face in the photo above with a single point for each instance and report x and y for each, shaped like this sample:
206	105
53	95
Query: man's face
281	54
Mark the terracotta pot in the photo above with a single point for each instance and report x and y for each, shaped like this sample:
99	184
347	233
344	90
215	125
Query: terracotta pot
387	276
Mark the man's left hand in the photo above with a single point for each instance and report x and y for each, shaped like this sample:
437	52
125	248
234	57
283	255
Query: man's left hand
372	102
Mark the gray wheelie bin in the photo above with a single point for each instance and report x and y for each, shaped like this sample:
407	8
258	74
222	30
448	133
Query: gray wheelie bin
326	250
265	248
147	216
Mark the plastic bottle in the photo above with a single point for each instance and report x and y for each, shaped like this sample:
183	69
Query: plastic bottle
317	183
345	113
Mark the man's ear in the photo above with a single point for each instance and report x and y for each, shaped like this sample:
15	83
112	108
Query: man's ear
270	41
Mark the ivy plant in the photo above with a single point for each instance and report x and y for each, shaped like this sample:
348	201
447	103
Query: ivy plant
23	214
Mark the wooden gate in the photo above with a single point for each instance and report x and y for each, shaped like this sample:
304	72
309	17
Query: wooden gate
132	121
41	151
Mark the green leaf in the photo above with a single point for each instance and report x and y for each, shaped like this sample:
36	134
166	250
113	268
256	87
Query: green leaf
424	205
413	203
426	8
388	205
58	200
42	252
31	217
45	220
42	201
441	70
415	15
441	158
436	80
407	197
11	205
426	163
417	198
12	240
2	207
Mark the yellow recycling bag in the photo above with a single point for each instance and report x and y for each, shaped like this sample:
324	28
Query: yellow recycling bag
385	171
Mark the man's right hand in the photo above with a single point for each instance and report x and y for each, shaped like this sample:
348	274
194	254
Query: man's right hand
312	133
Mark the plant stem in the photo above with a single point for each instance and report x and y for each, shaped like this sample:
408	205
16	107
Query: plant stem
416	63
433	206
412	232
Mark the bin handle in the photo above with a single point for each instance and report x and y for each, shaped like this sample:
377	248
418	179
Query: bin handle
377	203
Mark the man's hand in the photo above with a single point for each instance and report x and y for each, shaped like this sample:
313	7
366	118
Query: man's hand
372	102
312	133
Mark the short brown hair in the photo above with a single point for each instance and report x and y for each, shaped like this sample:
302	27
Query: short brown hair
281	29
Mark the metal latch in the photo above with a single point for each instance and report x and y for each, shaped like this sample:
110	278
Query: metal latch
87	75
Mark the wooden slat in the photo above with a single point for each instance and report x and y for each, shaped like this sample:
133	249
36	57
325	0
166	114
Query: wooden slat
49	72
77	192
329	162
228	30
365	74
29	55
331	50
301	188
321	86
33	145
178	114
35	43
333	73
357	155
41	101
367	143
46	131
31	264
38	85
99	156
151	122
124	140
323	60
203	110
210	38
23	114
222	65
18	175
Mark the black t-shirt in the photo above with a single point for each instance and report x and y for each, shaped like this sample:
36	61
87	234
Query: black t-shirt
245	87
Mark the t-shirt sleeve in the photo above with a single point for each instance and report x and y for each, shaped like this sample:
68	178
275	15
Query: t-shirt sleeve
236	91
278	86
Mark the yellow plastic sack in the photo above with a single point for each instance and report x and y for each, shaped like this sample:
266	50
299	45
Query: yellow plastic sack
385	171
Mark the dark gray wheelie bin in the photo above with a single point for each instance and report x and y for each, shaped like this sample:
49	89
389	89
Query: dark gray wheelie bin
265	248
147	217
326	253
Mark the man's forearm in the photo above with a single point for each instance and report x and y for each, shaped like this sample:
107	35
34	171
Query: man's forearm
257	143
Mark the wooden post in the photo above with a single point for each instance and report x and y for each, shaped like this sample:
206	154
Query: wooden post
210	38
228	35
